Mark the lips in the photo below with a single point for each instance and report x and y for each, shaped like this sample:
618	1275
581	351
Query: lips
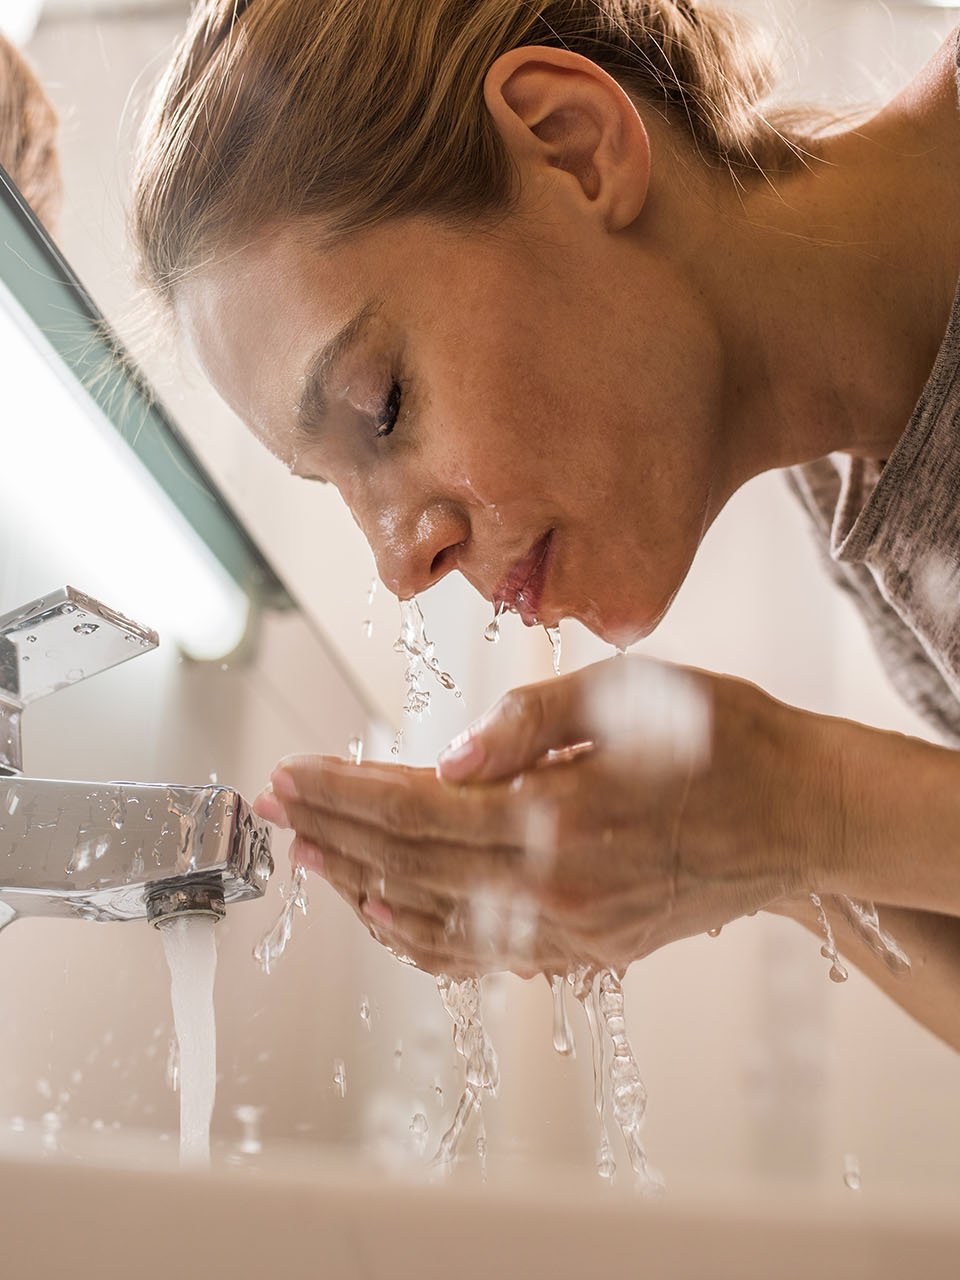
522	589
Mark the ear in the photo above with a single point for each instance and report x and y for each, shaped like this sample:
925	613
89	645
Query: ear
559	112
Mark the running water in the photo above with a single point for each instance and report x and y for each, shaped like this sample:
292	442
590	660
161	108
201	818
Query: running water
274	942
461	1000
491	631
864	919
562	1034
418	649
626	1088
838	972
190	946
582	984
553	635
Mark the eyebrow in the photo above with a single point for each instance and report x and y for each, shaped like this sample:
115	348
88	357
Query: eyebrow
312	405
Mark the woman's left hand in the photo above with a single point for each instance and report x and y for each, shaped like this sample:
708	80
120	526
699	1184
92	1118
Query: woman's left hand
589	819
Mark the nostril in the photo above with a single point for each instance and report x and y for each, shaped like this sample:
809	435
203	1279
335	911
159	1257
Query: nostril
444	561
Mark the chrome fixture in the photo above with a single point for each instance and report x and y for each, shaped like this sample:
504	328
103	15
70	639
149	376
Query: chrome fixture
107	850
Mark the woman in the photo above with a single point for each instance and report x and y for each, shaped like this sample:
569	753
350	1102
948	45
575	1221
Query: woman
538	287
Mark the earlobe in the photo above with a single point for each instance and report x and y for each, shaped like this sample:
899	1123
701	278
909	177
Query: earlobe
560	113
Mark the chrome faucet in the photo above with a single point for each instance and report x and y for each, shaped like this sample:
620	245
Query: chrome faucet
107	850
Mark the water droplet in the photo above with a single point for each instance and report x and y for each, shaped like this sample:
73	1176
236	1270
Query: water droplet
355	750
25	657
340	1078
86	628
491	631
553	635
398	1056
715	932
367	627
69	608
851	1172
365	1012
419	1129
31	639
438	1094
13	802
213	777
75	673
249	1118
372	590
837	971
397	742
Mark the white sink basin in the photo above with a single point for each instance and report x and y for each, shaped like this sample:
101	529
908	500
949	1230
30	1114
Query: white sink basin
319	1213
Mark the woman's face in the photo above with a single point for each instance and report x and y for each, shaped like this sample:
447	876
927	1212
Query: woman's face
539	410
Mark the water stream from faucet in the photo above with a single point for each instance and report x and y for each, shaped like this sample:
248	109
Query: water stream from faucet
190	945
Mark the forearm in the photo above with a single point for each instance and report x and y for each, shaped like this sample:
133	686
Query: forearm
891	826
930	990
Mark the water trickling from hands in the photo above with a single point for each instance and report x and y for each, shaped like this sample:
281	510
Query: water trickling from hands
274	942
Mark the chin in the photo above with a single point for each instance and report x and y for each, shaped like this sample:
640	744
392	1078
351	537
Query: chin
623	627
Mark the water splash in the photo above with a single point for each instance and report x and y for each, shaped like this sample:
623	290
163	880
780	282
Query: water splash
491	631
419	651
553	635
837	972
462	1002
190	945
563	1040
626	1087
583	987
864	920
274	942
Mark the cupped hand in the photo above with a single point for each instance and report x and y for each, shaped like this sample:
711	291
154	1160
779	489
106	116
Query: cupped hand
587	820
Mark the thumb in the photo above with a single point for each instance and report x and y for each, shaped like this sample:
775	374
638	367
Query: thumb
518	732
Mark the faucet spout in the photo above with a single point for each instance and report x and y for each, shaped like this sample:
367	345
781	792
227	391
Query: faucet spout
126	850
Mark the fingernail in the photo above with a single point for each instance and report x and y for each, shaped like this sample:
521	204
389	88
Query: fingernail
284	785
463	757
379	912
268	806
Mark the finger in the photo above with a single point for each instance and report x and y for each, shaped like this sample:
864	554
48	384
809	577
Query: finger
357	883
518	732
658	716
434	865
407	802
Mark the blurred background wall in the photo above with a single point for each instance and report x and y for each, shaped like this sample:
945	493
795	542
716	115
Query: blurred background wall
756	1065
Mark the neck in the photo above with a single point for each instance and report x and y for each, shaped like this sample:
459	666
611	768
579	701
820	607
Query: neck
832	288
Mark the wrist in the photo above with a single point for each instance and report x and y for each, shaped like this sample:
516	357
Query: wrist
891	823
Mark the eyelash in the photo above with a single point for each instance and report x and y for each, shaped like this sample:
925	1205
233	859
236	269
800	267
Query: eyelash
391	411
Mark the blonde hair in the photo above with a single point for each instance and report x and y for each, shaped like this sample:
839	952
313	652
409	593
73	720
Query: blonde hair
357	111
28	135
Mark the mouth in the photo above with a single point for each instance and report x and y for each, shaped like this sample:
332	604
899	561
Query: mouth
523	588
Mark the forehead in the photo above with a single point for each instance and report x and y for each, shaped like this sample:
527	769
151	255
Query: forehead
255	317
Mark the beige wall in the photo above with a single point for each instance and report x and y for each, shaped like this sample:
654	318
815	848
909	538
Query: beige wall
756	1065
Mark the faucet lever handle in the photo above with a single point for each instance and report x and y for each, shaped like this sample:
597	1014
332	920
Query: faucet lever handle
53	642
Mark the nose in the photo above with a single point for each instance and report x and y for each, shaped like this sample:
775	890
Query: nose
415	549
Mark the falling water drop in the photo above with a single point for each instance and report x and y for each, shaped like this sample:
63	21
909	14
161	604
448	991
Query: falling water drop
365	1012
367	627
851	1172
837	971
355	750
714	932
419	1129
372	590
397	743
491	631
249	1119
172	1073
553	635
582	984
562	1034
398	1056
340	1078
